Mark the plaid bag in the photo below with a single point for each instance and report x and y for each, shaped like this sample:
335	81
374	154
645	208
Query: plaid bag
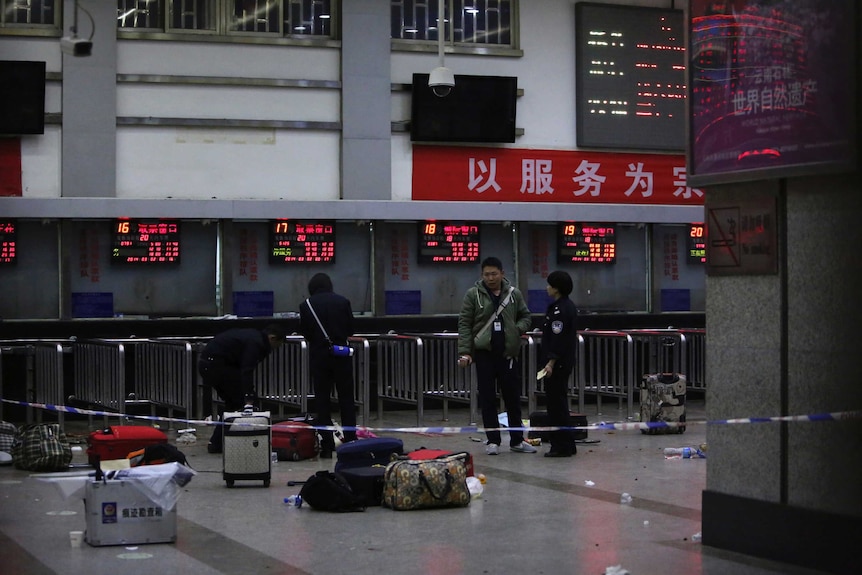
41	447
7	436
426	483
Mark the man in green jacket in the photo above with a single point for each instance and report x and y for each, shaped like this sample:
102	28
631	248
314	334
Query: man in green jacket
493	317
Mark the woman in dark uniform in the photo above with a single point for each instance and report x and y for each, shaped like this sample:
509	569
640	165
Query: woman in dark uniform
559	338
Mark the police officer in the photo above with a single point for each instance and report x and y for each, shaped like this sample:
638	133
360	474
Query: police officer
559	338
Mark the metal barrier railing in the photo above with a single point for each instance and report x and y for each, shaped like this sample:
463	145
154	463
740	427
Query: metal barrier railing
163	376
695	358
444	380
658	351
100	375
44	382
400	372
361	376
607	367
284	377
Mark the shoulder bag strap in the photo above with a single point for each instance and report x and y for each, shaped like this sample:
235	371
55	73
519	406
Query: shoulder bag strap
326	335
491	319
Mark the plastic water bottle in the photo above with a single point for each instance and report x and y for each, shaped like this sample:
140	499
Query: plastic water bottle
293	500
684	452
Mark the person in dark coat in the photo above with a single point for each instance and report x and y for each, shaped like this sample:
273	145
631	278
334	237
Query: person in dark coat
329	371
559	341
227	364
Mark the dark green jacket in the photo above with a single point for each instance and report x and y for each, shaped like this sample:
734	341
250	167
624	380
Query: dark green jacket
477	309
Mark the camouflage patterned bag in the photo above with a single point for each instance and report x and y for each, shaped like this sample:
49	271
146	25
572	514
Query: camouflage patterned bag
41	447
426	483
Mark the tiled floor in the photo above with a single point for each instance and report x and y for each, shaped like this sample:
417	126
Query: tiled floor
536	516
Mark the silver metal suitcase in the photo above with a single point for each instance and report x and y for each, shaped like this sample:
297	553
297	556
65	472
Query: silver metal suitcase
119	513
247	447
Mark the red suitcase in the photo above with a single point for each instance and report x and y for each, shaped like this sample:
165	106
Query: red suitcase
294	440
423	453
117	441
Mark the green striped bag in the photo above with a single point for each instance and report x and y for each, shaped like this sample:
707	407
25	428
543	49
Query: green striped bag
41	447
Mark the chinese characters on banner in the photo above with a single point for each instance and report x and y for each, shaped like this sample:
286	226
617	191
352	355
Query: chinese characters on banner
522	175
671	257
88	255
400	255
248	252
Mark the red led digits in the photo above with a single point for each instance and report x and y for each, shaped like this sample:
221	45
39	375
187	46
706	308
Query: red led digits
145	242
595	243
448	242
301	242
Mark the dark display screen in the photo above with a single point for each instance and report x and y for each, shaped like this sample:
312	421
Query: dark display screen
772	89
292	241
448	242
630	77
696	247
479	109
145	241
8	242
586	243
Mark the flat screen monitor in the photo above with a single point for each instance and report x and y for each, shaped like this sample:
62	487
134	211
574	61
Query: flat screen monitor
630	77
479	109
22	97
772	89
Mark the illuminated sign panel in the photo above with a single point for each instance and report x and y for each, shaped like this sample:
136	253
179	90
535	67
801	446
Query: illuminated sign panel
8	242
448	242
586	243
292	241
696	247
145	241
630	85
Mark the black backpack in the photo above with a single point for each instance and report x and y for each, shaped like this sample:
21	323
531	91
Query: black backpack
328	491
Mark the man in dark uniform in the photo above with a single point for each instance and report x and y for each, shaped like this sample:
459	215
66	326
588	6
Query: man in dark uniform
559	338
329	371
227	364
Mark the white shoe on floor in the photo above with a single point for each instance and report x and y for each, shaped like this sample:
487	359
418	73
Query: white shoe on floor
523	447
492	449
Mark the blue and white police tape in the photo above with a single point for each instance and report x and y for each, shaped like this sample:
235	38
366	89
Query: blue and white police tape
451	430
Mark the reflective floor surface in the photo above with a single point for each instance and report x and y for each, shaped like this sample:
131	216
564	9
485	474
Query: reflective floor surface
536	515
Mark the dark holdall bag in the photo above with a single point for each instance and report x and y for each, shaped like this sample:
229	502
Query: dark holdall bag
426	483
41	447
328	491
367	452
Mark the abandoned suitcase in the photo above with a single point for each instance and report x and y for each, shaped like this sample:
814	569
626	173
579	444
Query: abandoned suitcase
367	452
121	513
117	441
366	482
423	453
246	449
540	419
662	399
294	440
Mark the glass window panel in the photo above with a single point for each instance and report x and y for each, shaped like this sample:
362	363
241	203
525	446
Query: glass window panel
256	16
472	21
192	14
29	11
140	14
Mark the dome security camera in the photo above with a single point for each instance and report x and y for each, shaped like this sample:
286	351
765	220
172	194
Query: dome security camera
441	81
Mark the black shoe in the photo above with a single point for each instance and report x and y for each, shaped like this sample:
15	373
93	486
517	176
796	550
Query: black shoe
213	448
553	453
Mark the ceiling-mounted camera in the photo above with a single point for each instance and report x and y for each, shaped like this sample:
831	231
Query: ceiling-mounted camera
441	81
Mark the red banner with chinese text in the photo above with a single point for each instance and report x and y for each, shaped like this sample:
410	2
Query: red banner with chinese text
523	175
10	167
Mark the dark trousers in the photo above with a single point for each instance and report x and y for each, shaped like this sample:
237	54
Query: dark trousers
493	370
327	373
227	382
556	394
